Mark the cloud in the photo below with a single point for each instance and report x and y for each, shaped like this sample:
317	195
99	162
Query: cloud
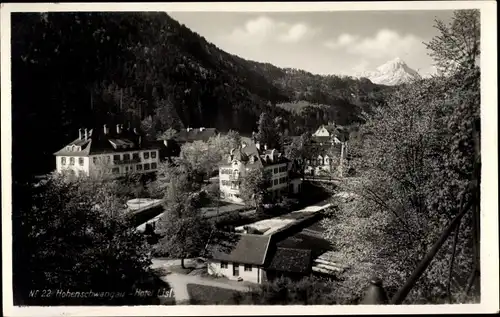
385	43
262	29
297	32
342	41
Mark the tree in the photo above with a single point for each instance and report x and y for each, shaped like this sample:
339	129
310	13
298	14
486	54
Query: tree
185	232
73	234
458	44
221	145
149	127
253	187
168	134
268	133
183	229
301	150
416	161
199	157
205	157
173	180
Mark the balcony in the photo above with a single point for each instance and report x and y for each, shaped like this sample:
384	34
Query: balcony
130	161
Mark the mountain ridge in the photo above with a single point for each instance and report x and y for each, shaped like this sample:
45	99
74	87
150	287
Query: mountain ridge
147	69
391	73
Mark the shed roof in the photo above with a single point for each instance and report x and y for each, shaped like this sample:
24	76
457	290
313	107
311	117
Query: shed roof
290	260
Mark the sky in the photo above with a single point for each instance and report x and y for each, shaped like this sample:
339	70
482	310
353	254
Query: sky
335	42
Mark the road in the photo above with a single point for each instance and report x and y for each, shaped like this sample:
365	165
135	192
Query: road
178	282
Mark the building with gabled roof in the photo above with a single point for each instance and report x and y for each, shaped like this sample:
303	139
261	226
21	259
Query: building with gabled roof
252	155
105	151
244	260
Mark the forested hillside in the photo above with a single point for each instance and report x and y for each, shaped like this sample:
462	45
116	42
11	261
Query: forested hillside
71	70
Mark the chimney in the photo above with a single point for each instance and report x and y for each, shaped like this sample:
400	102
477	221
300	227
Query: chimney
80	136
265	146
118	129
257	145
188	129
86	134
201	129
105	129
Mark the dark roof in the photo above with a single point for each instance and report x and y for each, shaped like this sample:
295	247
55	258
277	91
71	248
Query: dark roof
255	157
322	139
290	260
98	142
249	249
195	134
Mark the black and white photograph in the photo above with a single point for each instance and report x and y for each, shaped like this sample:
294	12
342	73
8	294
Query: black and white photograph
228	157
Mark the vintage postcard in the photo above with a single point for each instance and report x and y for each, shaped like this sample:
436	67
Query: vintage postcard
249	158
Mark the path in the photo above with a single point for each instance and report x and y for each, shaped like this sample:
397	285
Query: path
178	282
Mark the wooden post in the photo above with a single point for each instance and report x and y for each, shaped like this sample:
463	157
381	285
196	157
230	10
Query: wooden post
375	293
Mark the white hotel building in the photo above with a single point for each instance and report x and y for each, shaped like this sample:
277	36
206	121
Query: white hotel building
115	152
249	156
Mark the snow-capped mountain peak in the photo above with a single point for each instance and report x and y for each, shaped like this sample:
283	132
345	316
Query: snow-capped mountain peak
393	72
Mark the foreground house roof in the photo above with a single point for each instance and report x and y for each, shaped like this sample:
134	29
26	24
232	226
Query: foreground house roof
248	249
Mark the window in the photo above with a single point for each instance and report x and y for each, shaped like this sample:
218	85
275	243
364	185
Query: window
126	157
275	182
138	167
135	156
146	167
80	161
153	166
94	160
146	155
63	160
116	157
153	154
71	161
223	265
115	170
276	170
236	269
248	267
126	169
